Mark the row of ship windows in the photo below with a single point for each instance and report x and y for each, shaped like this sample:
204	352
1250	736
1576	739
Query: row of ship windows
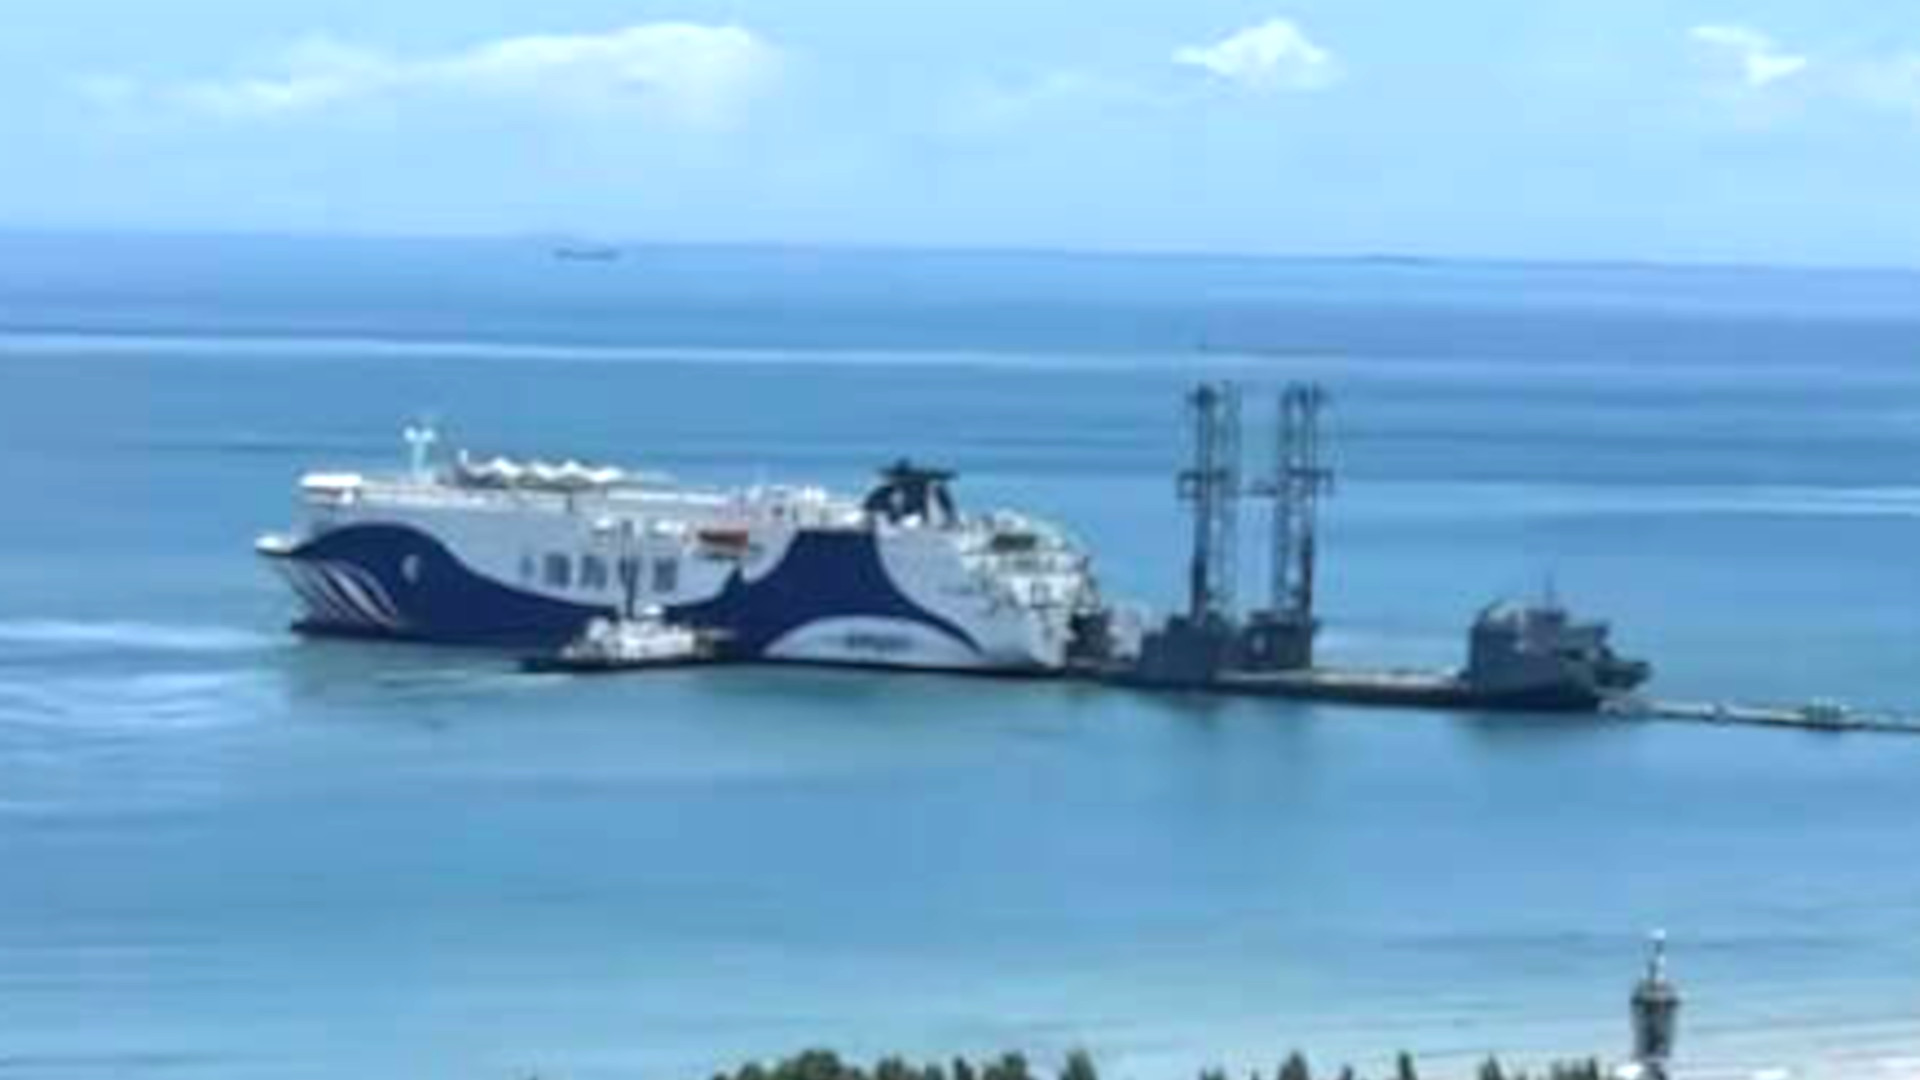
595	573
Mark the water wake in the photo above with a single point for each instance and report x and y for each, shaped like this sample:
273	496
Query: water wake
67	634
1519	499
298	347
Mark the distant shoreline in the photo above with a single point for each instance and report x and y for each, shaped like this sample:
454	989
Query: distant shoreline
637	245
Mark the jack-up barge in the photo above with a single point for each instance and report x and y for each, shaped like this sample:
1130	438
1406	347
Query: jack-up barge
1533	656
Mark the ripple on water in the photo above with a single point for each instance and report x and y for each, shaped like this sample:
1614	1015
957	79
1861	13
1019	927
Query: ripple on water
149	702
74	635
96	731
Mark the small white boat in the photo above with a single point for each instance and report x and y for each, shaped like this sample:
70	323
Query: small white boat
1826	713
644	641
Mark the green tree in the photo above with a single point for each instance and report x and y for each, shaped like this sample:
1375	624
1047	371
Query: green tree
1403	1067
813	1065
1079	1066
1490	1070
1009	1066
1294	1068
963	1069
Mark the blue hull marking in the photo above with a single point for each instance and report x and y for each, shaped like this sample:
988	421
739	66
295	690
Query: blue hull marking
438	598
825	574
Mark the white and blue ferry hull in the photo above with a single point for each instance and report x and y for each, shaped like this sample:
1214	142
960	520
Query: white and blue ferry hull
828	595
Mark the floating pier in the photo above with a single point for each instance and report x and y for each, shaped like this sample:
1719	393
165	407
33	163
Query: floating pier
1814	716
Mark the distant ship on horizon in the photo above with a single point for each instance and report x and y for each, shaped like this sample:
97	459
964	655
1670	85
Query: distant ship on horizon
587	252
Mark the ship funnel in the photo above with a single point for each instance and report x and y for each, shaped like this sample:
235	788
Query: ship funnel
420	439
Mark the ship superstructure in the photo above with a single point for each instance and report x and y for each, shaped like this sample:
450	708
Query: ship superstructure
526	553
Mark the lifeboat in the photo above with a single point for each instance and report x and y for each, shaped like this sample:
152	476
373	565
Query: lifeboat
725	543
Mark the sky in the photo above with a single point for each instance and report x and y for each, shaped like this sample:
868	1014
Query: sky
1773	131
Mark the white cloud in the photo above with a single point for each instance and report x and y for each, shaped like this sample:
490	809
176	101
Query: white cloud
1759	60
682	71
1887	83
1273	55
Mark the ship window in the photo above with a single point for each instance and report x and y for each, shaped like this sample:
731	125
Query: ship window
559	571
593	572
666	575
527	568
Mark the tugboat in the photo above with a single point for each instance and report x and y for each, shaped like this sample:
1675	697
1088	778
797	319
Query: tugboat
646	641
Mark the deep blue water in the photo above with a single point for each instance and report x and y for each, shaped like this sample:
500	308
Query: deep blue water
228	853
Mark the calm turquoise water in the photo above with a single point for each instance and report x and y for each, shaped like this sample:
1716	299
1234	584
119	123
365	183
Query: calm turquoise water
228	853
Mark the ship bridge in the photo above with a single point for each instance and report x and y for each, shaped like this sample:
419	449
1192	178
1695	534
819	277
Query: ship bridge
913	493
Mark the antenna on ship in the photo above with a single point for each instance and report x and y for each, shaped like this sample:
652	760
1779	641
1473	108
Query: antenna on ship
420	438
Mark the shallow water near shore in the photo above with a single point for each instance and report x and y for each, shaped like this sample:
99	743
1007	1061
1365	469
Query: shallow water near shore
231	853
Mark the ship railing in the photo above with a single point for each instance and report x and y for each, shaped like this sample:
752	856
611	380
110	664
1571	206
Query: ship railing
404	493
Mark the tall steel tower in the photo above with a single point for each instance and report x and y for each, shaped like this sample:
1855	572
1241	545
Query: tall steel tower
1280	636
1212	486
1300	477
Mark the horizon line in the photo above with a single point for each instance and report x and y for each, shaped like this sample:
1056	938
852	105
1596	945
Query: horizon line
1376	256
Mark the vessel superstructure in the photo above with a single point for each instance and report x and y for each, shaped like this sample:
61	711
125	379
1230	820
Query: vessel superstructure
526	553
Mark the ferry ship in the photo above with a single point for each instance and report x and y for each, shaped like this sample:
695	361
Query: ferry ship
526	554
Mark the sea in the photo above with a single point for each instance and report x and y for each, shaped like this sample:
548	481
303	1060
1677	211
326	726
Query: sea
226	852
